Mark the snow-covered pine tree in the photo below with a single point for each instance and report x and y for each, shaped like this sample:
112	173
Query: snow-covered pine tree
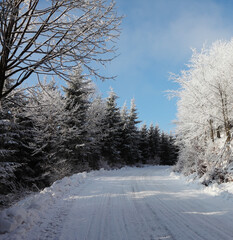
10	138
46	108
78	94
125	135
94	132
134	139
144	144
112	128
16	137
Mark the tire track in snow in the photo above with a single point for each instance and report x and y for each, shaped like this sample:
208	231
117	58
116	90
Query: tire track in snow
134	204
176	221
152	221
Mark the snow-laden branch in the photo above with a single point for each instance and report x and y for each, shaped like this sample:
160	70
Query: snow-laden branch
52	37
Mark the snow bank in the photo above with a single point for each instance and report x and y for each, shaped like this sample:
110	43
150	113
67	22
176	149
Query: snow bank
223	190
26	212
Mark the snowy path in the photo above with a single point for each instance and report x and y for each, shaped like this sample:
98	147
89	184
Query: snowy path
132	204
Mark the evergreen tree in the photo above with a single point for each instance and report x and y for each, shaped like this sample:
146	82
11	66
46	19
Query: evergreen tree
74	127
134	140
144	144
78	93
168	150
154	143
12	142
164	149
157	144
94	132
46	110
173	150
125	135
152	147
112	129
16	138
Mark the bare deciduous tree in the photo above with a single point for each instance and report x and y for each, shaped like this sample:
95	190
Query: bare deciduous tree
51	37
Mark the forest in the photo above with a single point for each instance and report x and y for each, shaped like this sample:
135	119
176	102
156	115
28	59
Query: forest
76	163
47	134
53	123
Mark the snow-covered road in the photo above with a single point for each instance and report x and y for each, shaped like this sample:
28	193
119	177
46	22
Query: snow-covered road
128	204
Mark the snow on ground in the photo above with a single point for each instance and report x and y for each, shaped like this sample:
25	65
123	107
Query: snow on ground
224	190
131	203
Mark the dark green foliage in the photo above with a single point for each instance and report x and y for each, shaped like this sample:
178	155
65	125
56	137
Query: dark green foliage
111	131
14	129
94	132
18	169
134	154
168	150
49	136
144	144
46	109
76	105
154	142
125	136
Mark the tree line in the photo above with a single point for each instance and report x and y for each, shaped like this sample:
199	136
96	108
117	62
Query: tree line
46	134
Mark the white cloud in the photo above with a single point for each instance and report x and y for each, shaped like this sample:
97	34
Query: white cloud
156	39
159	31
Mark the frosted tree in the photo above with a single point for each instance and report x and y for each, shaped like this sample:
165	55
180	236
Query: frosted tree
112	128
78	92
124	135
130	137
16	139
124	115
95	128
205	113
134	139
51	37
46	108
78	95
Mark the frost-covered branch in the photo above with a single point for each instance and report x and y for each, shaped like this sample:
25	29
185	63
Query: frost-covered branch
52	37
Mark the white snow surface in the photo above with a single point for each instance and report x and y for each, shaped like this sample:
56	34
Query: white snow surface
148	203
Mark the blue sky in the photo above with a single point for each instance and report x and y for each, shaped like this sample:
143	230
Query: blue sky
156	39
